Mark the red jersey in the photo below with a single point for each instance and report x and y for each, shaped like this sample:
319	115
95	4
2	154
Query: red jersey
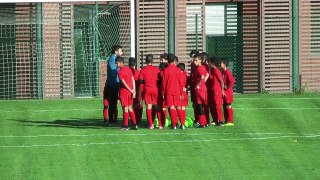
228	80
149	76
216	78
201	71
136	74
125	74
171	80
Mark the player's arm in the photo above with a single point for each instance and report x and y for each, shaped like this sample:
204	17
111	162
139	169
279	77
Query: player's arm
219	77
199	81
126	86
206	77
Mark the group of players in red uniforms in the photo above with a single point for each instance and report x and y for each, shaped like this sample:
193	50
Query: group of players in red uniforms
166	87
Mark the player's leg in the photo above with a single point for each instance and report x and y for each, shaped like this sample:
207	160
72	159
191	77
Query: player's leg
113	100
105	105
202	117
125	118
132	116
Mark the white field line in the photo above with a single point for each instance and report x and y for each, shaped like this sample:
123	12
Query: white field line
138	134
153	142
93	110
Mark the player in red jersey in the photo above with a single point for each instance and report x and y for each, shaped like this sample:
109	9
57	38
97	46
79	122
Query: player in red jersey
201	90
229	81
184	95
171	89
148	87
162	108
217	90
191	82
126	93
137	106
205	63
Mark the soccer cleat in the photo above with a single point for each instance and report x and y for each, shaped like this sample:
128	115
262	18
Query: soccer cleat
135	127
213	123
207	125
196	124
183	127
200	126
174	127
220	124
151	127
124	129
161	127
229	124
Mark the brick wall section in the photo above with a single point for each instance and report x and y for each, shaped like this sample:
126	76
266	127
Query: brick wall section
309	45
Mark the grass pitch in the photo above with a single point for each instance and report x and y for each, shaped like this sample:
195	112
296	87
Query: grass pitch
274	137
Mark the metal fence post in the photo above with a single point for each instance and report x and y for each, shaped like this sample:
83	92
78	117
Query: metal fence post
39	50
196	28
97	59
295	44
171	25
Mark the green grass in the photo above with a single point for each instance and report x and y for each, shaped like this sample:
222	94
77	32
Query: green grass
274	137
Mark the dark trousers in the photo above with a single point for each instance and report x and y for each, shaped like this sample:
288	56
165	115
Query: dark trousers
112	95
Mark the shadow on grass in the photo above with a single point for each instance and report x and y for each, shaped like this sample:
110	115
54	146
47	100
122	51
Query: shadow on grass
76	123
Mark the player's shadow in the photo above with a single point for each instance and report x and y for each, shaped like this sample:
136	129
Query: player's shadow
76	123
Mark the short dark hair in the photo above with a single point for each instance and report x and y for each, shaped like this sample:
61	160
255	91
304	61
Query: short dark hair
132	61
182	66
115	48
164	56
215	60
162	66
199	56
193	52
119	59
171	58
149	58
225	61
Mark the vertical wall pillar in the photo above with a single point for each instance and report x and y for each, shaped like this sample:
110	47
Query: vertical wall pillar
97	54
171	25
39	50
295	44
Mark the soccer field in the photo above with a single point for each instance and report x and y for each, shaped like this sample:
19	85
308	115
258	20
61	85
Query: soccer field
274	137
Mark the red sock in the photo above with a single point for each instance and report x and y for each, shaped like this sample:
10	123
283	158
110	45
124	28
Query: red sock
160	117
105	110
206	112
182	117
133	118
125	119
174	117
164	116
230	115
149	117
202	120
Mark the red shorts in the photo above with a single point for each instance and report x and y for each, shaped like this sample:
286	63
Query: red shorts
201	97
172	100
184	101
151	97
228	99
126	99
